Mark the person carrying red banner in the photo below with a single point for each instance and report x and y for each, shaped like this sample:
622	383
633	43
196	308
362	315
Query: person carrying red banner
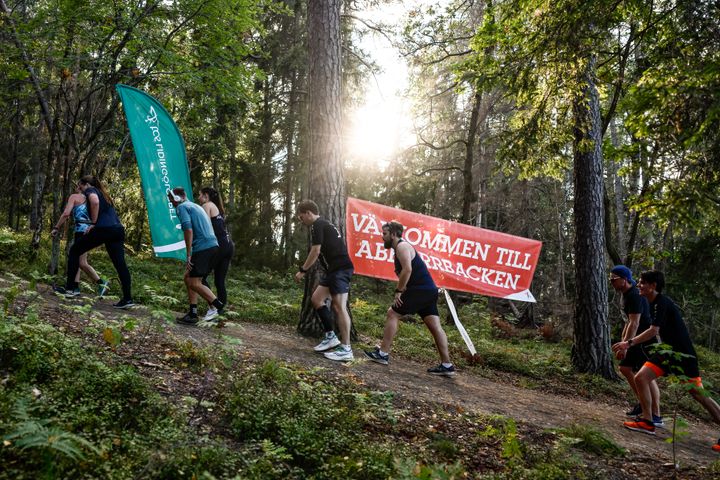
668	323
416	292
329	247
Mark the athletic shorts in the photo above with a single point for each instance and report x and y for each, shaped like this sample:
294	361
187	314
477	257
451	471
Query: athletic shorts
203	262
422	302
662	365
635	358
337	281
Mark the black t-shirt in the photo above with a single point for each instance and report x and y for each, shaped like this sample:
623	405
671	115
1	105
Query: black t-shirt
673	331
107	216
634	303
333	252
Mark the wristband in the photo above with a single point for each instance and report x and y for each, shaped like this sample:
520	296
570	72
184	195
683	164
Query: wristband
301	269
630	342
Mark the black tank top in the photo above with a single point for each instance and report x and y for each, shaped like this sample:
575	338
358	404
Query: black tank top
218	224
420	278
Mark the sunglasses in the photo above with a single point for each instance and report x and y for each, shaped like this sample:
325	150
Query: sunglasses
613	278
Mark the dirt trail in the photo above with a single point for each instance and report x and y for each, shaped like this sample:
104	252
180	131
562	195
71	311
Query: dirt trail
407	378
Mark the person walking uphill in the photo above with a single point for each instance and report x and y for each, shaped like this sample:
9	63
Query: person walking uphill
201	247
210	200
104	229
637	309
329	247
416	292
77	208
668	323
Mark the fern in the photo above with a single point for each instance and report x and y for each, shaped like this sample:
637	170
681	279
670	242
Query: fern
30	433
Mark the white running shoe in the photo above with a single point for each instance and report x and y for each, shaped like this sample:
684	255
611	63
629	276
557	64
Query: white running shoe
340	354
211	313
327	343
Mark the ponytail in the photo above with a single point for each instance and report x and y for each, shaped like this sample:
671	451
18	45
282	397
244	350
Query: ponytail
93	181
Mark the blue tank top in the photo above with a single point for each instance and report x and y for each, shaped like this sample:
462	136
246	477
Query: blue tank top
81	215
420	278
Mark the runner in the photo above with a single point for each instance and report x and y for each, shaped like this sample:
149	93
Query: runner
201	247
77	207
329	247
415	293
104	229
668	323
211	202
637	310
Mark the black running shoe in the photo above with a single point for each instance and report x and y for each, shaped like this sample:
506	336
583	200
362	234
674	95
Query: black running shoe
442	370
124	303
377	357
188	319
67	293
636	410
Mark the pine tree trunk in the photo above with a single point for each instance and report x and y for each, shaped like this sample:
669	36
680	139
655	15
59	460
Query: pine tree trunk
326	178
591	347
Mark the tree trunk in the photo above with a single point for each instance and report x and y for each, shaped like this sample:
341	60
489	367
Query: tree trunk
326	178
591	346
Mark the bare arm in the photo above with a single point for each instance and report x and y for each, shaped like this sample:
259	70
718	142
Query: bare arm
643	337
631	326
94	207
64	216
404	252
312	257
188	236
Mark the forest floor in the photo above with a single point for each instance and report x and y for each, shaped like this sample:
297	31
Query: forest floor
148	349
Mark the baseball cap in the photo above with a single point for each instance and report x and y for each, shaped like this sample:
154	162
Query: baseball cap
624	272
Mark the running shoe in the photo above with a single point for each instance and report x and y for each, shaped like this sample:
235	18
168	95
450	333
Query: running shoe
640	425
124	304
211	313
188	319
716	447
377	357
102	287
658	422
442	370
330	341
635	411
67	293
340	354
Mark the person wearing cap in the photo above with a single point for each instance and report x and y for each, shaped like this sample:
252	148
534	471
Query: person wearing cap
667	322
637	312
201	246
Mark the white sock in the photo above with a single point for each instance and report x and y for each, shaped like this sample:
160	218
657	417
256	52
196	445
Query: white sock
447	365
383	353
347	348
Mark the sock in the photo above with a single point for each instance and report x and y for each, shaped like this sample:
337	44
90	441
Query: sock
100	280
217	304
447	365
347	348
193	309
382	353
325	317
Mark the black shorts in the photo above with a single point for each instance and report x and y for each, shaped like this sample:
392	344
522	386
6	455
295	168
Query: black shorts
670	365
337	281
422	302
203	262
635	358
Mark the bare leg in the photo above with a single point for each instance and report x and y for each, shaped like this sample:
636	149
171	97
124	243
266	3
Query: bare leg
195	288
432	322
87	268
655	394
392	321
339	304
643	380
710	405
630	377
320	296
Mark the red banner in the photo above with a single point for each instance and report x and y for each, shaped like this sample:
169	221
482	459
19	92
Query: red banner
459	257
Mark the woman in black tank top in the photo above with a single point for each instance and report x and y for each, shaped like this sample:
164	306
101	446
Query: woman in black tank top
211	202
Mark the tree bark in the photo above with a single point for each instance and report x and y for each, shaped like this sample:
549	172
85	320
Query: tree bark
591	346
326	177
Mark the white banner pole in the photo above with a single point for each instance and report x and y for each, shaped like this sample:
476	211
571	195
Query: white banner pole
461	329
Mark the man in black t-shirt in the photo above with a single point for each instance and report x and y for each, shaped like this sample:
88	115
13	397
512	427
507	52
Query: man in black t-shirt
637	311
329	248
667	322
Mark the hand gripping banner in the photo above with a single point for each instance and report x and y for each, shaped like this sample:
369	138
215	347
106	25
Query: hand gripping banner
459	257
160	152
